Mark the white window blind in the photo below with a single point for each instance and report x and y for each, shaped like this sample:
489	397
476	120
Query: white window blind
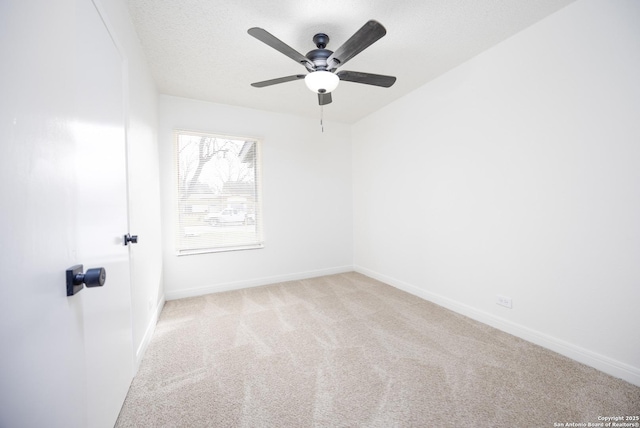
218	189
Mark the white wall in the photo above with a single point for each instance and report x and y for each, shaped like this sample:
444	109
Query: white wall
518	173
143	179
306	199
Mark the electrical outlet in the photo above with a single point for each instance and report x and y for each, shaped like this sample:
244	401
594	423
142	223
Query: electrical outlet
504	301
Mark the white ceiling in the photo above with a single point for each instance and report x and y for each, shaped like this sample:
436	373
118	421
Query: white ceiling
200	49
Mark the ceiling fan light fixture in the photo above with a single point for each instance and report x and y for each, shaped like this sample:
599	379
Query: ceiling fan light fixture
321	82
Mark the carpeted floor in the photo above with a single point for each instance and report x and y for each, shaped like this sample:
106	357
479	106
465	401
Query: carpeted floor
348	351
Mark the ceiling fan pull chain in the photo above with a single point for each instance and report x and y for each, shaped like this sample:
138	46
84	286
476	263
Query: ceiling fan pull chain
321	117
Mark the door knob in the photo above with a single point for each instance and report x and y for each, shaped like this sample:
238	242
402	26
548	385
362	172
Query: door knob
76	279
130	238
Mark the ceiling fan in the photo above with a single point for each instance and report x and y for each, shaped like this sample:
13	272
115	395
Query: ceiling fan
322	63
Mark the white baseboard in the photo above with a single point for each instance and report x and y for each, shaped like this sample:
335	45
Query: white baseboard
600	362
254	282
148	334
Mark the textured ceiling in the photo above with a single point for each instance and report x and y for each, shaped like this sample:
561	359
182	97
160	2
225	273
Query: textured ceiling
200	49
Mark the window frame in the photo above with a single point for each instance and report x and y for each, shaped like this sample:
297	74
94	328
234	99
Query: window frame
185	250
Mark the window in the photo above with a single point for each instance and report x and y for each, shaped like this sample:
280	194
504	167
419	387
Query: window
218	187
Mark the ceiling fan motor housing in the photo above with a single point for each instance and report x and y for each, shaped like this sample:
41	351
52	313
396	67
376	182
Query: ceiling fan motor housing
319	58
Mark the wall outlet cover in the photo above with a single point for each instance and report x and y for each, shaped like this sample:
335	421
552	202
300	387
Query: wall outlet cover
504	301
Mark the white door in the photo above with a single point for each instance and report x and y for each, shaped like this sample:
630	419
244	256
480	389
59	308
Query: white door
102	216
64	361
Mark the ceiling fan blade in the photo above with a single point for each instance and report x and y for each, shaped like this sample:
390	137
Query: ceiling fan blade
362	39
278	80
271	40
367	78
324	99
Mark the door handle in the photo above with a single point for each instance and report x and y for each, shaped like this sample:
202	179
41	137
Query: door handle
130	238
76	279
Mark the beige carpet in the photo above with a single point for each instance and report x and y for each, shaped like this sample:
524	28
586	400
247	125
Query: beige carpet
348	351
